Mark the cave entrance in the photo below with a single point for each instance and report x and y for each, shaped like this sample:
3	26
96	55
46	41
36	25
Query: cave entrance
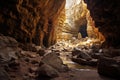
76	31
75	23
83	31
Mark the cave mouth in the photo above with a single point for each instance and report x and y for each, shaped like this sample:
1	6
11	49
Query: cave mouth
76	25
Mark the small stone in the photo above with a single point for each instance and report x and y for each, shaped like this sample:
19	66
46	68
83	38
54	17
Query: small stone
33	69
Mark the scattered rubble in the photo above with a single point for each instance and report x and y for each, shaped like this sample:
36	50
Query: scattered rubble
36	63
109	65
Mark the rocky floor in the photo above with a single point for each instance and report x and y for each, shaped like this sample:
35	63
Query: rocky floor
61	61
81	74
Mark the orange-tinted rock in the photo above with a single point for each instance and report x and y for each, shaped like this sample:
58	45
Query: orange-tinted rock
76	21
107	19
92	30
30	20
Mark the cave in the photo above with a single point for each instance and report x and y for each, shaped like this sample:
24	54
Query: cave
59	40
83	31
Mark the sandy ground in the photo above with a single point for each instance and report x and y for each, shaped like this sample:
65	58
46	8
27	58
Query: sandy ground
81	74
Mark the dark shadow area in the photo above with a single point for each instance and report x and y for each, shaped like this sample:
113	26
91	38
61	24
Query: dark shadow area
106	78
43	78
83	31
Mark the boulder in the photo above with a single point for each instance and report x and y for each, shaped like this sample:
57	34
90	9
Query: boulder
81	61
48	71
114	52
109	66
80	54
96	55
6	41
8	49
111	52
54	61
7	53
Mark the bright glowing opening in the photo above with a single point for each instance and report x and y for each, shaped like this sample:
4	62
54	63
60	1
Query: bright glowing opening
71	3
69	11
76	15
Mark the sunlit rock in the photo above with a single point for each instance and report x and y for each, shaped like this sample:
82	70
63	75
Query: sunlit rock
77	22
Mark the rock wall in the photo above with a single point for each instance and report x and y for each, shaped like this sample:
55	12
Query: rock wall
72	18
73	22
105	13
92	30
60	24
30	20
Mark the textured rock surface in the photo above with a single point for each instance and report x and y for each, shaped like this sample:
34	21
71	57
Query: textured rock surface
47	70
107	19
92	30
54	61
76	22
30	20
74	18
8	49
4	75
109	67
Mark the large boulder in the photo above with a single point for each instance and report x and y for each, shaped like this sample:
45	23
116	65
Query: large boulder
109	66
111	52
51	65
83	57
81	54
48	71
9	54
8	49
54	61
81	61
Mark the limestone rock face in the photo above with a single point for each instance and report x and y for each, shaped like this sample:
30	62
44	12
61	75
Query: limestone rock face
75	17
30	20
75	21
92	30
107	19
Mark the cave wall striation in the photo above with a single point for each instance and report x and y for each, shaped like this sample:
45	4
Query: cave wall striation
106	14
30	20
73	18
